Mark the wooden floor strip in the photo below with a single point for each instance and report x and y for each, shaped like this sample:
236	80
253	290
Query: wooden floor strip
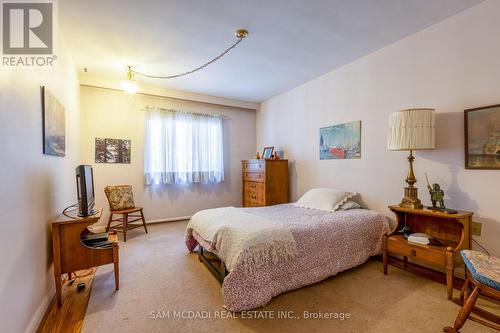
69	317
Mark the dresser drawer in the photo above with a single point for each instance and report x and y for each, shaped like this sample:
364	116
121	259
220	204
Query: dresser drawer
254	166
253	194
256	198
402	247
253	187
253	176
253	200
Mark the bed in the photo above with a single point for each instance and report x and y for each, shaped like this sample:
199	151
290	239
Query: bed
325	243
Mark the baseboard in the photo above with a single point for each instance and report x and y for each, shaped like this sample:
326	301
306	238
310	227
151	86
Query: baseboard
102	227
37	317
169	219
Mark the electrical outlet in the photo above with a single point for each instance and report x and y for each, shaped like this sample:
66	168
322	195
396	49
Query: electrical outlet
476	228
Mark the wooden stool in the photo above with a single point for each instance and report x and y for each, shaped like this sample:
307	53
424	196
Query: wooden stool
121	202
483	273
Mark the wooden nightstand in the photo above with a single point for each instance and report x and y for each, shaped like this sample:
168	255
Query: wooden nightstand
453	231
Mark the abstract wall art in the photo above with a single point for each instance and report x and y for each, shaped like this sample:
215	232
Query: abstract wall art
112	150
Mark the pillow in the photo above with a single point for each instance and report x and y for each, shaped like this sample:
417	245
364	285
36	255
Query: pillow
324	199
349	204
120	197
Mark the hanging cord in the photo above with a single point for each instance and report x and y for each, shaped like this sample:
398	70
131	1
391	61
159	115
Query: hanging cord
480	246
79	277
65	211
240	34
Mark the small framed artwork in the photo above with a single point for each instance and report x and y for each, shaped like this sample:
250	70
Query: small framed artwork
268	152
482	137
54	136
341	141
112	150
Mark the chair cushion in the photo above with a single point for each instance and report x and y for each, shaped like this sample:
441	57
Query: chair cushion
120	197
484	268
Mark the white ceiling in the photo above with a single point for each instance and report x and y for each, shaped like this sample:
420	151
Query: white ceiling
290	41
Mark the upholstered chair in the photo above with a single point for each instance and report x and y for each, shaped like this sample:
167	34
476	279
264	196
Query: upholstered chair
121	202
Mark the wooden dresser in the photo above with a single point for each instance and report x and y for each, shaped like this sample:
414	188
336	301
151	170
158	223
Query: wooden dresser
265	182
453	231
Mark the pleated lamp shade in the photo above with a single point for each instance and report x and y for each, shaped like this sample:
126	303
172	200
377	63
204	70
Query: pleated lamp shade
411	129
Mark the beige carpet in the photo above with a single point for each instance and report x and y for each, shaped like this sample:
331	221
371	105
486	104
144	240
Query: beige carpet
158	274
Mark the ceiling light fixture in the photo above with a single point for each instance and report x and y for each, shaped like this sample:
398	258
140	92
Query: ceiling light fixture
131	86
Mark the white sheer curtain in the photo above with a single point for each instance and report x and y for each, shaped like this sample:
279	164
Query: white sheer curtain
182	147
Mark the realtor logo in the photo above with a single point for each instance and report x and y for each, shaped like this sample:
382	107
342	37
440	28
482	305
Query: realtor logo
27	28
28	32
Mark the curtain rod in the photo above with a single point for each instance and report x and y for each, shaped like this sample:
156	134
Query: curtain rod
175	98
182	111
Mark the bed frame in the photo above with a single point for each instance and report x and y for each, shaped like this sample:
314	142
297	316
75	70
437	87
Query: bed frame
213	263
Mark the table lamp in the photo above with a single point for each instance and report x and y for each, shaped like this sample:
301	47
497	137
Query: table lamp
411	129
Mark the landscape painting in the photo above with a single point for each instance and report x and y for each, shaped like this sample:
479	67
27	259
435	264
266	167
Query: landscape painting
482	138
54	137
112	150
342	141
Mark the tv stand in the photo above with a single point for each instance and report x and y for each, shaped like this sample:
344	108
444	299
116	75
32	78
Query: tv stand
71	255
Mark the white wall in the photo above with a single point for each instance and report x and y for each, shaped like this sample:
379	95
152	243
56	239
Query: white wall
451	66
34	187
109	113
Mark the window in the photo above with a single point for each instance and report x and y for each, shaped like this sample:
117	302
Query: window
182	147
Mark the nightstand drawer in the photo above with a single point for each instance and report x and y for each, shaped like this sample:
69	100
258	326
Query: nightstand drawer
420	252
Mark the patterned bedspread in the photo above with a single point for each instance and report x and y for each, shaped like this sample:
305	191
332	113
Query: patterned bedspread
327	243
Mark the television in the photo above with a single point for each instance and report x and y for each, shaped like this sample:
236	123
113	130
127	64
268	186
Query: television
85	190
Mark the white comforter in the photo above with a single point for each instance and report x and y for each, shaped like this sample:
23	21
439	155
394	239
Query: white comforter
242	238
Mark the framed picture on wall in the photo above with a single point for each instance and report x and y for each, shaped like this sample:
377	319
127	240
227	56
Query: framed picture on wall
54	136
482	137
341	141
112	150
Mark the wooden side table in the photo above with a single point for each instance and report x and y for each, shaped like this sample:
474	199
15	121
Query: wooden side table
453	231
71	255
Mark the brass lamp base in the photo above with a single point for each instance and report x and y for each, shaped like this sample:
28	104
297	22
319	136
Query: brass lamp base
411	199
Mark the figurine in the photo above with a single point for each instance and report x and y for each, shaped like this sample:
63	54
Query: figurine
437	194
257	155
